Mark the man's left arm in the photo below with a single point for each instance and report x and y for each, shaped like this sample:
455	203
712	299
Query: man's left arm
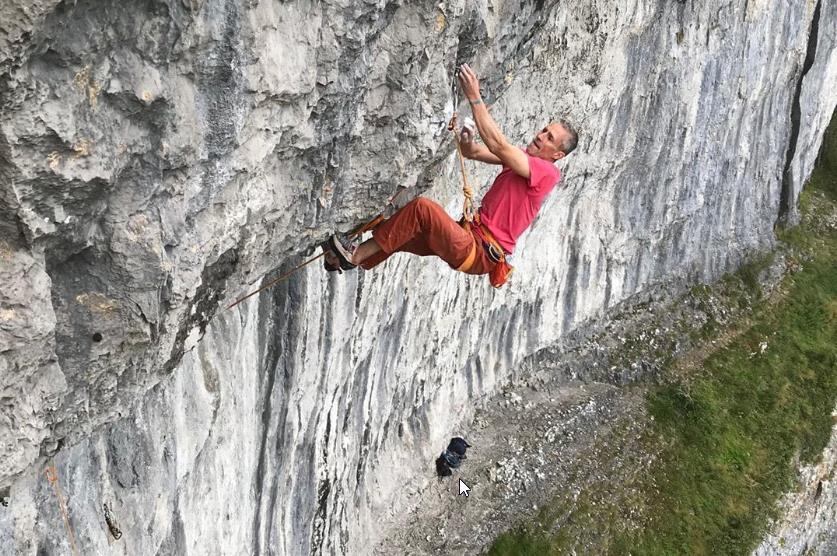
472	150
490	132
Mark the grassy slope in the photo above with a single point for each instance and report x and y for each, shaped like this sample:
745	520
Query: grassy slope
731	431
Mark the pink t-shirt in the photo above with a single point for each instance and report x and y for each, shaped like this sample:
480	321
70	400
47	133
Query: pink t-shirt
513	201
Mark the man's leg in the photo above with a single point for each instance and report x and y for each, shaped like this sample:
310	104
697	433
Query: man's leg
365	250
368	252
421	227
416	246
334	249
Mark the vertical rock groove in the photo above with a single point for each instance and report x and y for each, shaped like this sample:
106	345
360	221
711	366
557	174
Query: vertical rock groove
281	313
788	198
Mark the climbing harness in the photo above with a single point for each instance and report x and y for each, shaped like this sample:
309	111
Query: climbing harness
357	232
502	270
51	474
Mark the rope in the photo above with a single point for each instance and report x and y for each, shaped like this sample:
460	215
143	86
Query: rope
276	281
468	202
52	476
352	235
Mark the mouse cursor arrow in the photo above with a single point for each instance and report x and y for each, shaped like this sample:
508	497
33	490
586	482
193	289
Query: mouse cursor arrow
463	488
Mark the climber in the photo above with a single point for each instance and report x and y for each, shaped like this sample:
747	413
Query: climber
422	227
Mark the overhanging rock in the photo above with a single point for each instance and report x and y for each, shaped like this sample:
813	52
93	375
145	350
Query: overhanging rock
157	158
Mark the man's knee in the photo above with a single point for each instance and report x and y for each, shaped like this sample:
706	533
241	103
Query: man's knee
425	208
426	213
422	204
424	201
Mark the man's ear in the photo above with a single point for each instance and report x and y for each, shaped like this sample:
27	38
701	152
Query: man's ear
558	156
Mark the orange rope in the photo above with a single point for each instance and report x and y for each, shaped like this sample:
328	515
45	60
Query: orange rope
468	202
52	476
276	281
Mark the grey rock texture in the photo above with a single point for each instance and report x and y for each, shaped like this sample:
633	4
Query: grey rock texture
812	107
157	158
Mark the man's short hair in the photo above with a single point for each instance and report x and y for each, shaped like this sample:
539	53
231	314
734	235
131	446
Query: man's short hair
571	141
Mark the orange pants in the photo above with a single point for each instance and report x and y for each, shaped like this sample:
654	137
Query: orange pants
422	227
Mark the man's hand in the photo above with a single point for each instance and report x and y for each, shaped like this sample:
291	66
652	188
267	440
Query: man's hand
470	148
469	83
466	132
497	149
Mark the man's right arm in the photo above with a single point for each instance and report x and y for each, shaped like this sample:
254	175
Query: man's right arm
496	143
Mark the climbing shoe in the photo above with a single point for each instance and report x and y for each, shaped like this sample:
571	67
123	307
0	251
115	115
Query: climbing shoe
342	251
330	261
331	267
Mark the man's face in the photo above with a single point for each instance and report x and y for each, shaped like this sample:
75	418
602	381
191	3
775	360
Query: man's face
547	143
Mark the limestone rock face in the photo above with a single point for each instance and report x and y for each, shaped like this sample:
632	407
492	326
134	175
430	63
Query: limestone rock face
158	158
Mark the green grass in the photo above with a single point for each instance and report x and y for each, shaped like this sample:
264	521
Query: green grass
522	543
731	431
736	428
749	273
825	177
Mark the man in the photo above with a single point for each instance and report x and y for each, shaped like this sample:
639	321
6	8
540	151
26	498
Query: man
422	227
